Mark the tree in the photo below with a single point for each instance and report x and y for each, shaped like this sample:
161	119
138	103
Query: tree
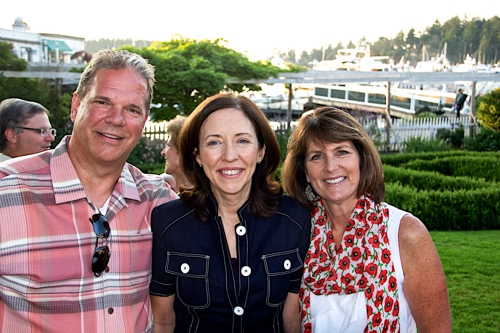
488	110
188	71
9	61
490	41
451	35
471	37
383	46
37	90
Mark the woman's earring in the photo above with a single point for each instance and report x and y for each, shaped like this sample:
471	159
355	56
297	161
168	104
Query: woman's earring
310	193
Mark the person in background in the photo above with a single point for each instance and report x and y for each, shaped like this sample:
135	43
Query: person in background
24	128
460	101
370	267
171	154
228	256
75	253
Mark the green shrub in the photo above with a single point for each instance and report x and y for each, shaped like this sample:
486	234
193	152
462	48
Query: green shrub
398	159
431	180
488	110
486	167
147	155
449	210
485	140
417	145
453	137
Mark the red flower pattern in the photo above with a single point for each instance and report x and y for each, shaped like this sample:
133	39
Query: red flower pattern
356	254
362	263
386	256
388	303
383	276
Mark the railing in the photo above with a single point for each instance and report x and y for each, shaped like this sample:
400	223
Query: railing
404	102
156	130
405	129
424	128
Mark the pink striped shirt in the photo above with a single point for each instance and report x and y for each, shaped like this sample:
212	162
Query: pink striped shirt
47	243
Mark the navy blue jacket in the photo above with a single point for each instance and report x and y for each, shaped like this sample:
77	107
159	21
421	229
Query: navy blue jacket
191	259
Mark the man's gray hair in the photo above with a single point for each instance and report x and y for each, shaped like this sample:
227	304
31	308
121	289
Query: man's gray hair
122	59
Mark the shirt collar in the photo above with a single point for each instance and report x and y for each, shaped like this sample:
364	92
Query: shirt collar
67	185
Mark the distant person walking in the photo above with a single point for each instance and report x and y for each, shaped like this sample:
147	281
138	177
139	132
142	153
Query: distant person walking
459	101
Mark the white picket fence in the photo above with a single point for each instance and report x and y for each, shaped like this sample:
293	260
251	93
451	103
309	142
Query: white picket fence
156	131
405	129
424	128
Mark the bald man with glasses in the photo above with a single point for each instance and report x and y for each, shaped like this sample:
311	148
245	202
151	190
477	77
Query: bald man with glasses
25	128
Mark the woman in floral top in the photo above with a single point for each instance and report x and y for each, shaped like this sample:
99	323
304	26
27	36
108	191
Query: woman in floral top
370	267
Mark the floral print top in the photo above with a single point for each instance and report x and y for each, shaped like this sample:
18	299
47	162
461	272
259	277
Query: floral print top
361	264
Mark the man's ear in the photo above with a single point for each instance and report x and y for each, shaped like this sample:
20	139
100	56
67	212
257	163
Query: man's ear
75	104
11	135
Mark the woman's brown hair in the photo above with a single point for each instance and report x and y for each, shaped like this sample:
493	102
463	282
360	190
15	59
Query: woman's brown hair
331	125
266	192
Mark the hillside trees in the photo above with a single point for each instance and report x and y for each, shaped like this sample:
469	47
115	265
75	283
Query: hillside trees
477	37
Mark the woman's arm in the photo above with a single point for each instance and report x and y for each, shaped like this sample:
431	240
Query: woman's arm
291	314
163	313
425	283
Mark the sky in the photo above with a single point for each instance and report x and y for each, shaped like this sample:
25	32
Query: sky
255	28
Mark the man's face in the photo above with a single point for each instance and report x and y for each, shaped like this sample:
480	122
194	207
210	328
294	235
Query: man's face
109	119
31	142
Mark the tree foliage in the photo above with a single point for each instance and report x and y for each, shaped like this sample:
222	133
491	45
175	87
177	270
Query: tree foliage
9	61
37	90
478	38
488	110
188	71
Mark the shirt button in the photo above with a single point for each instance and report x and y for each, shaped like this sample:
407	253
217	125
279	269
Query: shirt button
241	230
106	269
246	270
185	268
110	310
287	264
238	311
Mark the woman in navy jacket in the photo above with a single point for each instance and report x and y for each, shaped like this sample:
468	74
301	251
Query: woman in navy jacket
228	255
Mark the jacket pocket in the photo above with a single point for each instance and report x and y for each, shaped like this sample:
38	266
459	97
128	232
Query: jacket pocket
192	278
279	266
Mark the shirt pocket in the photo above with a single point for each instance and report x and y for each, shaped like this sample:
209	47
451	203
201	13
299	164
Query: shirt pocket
192	278
279	266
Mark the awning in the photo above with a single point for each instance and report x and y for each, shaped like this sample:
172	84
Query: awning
53	44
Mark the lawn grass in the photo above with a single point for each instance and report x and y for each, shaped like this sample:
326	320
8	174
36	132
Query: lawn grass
471	261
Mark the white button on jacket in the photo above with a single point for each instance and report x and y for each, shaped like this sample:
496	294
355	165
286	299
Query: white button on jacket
185	268
241	230
246	271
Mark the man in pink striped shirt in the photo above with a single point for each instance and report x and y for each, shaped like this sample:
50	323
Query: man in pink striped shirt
75	233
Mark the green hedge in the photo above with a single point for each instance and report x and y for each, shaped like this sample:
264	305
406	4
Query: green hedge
453	190
398	159
431	180
485	167
477	209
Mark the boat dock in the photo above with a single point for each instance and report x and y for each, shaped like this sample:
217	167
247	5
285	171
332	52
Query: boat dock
369	90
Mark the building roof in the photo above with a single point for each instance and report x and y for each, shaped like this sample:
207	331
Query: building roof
52	45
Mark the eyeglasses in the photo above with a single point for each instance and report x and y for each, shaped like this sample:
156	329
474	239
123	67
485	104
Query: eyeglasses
42	131
101	255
